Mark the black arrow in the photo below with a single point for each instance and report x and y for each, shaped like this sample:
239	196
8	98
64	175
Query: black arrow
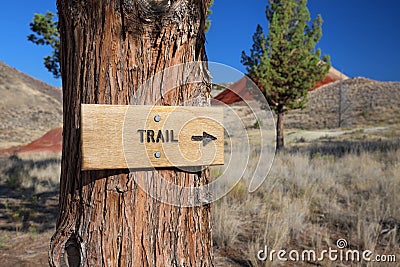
206	138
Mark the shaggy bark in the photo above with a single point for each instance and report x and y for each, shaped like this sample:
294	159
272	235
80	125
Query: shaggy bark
108	49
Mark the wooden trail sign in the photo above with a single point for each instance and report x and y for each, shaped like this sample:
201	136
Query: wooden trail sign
138	137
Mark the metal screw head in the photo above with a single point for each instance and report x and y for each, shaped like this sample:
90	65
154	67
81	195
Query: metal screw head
157	118
157	154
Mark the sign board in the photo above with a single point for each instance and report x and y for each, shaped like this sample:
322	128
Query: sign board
140	137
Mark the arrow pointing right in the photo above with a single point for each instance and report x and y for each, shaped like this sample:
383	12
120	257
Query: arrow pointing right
206	138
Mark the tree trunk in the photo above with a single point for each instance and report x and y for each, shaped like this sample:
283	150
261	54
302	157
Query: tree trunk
279	130
108	49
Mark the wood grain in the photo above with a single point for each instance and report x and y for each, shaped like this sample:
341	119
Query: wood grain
121	136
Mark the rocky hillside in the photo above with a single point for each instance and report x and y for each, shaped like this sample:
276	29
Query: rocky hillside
352	102
28	107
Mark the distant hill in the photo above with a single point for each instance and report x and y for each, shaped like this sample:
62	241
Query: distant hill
364	102
237	91
49	143
28	107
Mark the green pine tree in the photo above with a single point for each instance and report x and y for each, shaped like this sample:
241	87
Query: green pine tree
286	63
209	12
45	32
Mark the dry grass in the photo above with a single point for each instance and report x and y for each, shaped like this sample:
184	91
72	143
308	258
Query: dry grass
315	194
28	193
36	174
310	200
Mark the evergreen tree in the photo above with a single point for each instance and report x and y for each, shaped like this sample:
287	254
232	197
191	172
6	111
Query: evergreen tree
209	12
45	32
286	63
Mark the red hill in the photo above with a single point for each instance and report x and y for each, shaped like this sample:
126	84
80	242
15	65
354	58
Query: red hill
50	143
231	95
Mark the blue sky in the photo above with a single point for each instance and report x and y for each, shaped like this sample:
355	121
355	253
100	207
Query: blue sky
362	37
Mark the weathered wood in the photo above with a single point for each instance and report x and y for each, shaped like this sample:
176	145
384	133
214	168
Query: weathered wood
109	48
118	137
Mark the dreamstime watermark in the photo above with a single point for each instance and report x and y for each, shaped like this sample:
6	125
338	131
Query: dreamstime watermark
339	254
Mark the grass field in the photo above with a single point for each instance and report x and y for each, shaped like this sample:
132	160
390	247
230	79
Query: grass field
313	196
317	192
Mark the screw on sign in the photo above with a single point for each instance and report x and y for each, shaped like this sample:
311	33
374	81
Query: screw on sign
139	137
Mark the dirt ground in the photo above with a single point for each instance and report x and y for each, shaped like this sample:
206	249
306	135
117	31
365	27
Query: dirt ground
24	249
27	224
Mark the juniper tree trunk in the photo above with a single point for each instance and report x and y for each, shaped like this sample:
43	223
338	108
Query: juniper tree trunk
279	129
108	49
